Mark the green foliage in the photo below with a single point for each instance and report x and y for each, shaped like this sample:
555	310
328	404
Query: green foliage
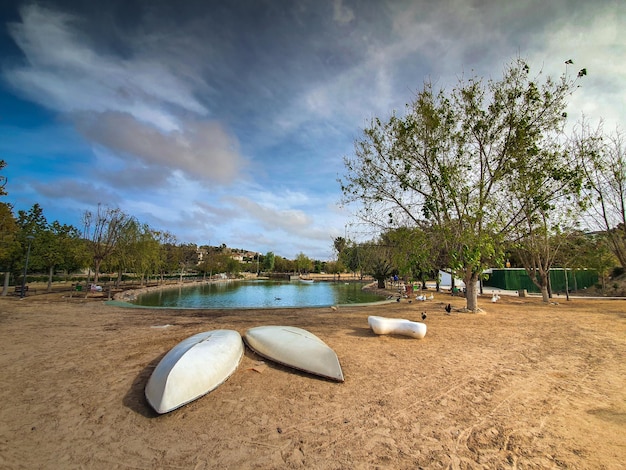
458	159
3	179
9	241
268	262
304	264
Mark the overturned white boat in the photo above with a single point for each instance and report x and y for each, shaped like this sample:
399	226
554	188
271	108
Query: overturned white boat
193	368
295	347
397	326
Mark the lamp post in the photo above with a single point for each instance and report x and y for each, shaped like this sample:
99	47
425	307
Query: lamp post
23	292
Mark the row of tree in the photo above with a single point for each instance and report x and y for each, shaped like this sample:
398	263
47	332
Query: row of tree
112	241
488	170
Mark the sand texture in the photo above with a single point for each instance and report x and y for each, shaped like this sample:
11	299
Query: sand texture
524	385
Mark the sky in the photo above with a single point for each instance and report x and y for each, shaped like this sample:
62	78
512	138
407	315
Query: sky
227	122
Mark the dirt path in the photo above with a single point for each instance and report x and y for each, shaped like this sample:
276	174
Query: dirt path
525	385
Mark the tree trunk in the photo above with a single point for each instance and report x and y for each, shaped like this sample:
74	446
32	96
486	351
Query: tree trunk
381	283
471	292
5	288
545	292
96	271
50	274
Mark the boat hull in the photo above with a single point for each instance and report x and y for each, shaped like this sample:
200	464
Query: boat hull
397	326
296	348
193	368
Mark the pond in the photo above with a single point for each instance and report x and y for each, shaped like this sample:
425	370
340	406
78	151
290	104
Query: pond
259	294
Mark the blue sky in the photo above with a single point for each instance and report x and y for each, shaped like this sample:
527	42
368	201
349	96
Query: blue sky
227	122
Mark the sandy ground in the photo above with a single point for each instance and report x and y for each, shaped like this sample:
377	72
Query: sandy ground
525	385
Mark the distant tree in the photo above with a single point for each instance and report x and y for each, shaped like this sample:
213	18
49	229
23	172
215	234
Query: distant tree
60	247
3	179
9	243
233	267
268	262
377	260
411	252
104	230
334	267
603	159
137	251
168	255
304	264
73	247
33	223
350	258
582	250
318	266
187	258
339	244
283	265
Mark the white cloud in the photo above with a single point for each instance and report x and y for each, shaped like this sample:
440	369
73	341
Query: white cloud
272	218
64	74
203	150
599	45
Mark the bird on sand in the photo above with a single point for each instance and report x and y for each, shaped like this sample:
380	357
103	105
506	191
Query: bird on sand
424	315
448	308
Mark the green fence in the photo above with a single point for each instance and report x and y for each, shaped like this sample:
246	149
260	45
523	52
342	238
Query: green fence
517	279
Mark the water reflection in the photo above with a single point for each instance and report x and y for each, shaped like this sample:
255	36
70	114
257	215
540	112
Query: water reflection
259	294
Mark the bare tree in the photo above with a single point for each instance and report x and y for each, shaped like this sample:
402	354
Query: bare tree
603	159
104	230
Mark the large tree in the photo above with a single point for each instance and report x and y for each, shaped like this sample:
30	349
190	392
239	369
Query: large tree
451	161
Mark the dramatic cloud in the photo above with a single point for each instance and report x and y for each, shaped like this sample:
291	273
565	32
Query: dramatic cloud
63	73
203	150
227	123
135	106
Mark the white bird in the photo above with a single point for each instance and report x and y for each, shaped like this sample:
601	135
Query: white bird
431	297
495	297
421	297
